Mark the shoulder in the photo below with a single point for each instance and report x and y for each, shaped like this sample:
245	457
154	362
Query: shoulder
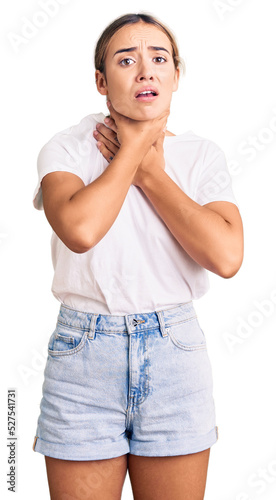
189	141
71	150
73	140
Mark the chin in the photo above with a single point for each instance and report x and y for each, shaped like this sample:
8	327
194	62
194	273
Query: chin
146	113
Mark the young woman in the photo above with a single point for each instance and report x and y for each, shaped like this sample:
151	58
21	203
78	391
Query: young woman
138	215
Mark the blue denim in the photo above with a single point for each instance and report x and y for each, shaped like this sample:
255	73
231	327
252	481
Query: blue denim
140	384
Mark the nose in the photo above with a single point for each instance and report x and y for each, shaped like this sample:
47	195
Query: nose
145	71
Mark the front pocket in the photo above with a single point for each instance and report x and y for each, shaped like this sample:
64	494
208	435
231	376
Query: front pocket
66	340
187	335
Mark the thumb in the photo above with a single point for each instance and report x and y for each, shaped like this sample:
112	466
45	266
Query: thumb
160	141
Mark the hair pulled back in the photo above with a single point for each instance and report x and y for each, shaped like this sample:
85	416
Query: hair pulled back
120	22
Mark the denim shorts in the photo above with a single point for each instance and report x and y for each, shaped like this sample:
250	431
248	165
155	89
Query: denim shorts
140	384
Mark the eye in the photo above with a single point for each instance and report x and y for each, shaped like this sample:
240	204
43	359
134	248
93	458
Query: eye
126	62
159	59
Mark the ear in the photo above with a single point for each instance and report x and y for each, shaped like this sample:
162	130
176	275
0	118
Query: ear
101	82
176	79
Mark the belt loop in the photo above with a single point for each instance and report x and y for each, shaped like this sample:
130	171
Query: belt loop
92	327
161	323
128	325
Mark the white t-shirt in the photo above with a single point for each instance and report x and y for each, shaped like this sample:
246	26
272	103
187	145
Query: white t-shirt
138	266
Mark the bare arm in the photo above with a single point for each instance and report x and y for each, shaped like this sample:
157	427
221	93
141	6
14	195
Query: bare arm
81	215
211	234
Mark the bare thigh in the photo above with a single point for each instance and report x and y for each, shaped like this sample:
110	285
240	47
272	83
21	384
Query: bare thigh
86	480
180	477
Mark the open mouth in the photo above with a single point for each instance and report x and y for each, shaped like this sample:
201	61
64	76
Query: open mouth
147	92
146	95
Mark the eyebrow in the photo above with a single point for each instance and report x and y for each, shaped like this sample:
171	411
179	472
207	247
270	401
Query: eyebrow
132	49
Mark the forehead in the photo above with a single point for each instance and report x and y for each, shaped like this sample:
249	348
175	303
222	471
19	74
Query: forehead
136	35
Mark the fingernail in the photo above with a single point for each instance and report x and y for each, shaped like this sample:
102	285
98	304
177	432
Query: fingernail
107	120
95	133
99	145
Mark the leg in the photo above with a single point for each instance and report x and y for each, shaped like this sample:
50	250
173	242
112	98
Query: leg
180	477
86	480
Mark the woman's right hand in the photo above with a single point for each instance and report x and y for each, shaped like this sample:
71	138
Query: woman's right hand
107	134
82	214
106	137
138	136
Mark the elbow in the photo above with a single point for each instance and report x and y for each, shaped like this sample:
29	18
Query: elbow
81	237
229	272
79	240
77	234
229	261
230	266
78	247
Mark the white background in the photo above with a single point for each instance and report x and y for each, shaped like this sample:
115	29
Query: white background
228	96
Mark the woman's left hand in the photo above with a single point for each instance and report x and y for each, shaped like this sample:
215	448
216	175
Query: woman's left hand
108	145
151	164
106	137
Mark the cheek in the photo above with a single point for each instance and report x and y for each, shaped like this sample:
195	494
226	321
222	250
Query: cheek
117	94
121	103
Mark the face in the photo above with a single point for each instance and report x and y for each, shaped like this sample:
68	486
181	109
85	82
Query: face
140	72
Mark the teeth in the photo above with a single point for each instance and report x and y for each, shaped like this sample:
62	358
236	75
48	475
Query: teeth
146	92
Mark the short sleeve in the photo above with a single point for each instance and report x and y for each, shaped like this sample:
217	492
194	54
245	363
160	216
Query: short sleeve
56	155
214	182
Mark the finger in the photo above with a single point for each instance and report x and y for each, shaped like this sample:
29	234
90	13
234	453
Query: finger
106	132
114	114
107	144
108	137
112	111
110	123
159	143
108	155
